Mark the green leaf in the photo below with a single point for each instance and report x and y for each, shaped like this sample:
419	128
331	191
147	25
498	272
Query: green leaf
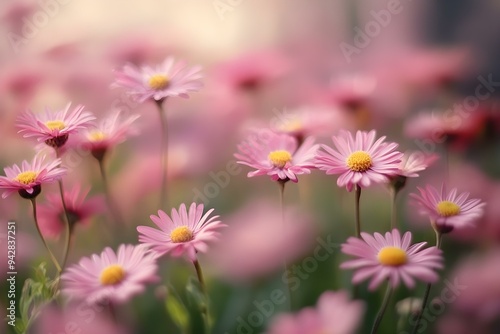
177	311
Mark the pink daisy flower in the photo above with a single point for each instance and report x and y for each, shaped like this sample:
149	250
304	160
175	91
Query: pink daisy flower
113	277
448	210
392	258
54	127
277	155
28	179
110	132
164	80
80	210
333	314
360	160
182	233
414	162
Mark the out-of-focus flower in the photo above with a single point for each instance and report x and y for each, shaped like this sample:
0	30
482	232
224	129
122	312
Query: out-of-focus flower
414	162
112	277
256	233
352	91
28	179
391	257
359	160
110	132
334	313
308	121
277	155
54	127
184	233
157	83
51	216
75	319
448	211
251	71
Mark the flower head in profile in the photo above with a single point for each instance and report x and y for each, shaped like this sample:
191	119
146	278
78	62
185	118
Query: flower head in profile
411	164
28	179
54	127
359	160
167	79
448	210
183	233
333	314
277	155
391	257
51	216
113	277
110	132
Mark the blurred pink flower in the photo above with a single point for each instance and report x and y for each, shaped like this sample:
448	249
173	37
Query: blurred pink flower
110	132
414	162
391	257
448	210
277	155
184	233
359	160
75	319
80	210
28	178
256	233
352	91
112	277
54	127
250	71
334	313
159	82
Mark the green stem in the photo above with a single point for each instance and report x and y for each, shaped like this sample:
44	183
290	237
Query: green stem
115	212
358	221
68	226
52	257
428	288
281	184
204	308
383	308
164	154
394	220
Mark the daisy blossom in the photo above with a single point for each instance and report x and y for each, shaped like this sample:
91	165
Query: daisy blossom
113	277
28	178
333	314
54	127
164	80
110	132
448	210
414	162
277	155
360	160
51	213
182	233
391	257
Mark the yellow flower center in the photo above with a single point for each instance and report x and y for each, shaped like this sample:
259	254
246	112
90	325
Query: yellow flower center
359	161
447	208
26	177
279	158
96	136
158	81
55	125
291	125
112	275
181	234
392	256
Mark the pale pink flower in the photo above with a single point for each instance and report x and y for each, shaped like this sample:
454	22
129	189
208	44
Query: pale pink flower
28	178
414	162
183	233
391	258
54	127
51	216
360	160
110	132
111	277
157	83
277	155
448	210
353	90
334	313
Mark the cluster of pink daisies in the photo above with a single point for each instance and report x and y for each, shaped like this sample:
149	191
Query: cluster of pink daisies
283	153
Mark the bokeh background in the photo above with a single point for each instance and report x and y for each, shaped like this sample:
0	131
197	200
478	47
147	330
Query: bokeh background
367	65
